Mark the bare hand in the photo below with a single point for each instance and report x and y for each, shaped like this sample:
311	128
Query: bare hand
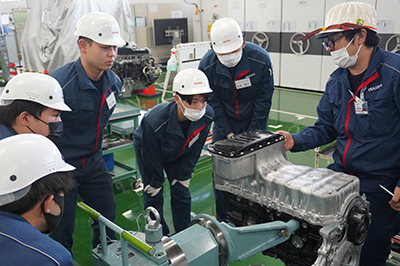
289	141
394	202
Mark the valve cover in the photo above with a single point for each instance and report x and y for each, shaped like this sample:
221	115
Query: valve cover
261	185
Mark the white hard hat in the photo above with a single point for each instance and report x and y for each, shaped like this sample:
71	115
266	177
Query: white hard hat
101	28
34	87
226	36
353	15
25	158
191	81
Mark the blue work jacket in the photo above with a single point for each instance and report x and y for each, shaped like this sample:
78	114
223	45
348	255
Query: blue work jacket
6	131
22	244
238	110
368	145
84	125
160	142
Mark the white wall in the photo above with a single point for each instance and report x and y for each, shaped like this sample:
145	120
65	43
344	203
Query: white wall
154	1
6	7
144	34
248	11
211	10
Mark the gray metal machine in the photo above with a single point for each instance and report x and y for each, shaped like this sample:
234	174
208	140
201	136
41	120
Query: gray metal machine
302	215
205	242
262	186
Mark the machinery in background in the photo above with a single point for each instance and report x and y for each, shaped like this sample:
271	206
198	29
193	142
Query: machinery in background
183	56
4	61
262	187
205	242
393	43
388	25
170	31
136	69
301	215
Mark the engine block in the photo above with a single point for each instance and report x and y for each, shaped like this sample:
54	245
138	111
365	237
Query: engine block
136	69
261	185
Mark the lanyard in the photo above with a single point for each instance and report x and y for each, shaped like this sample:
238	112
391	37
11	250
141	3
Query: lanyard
362	98
360	105
355	97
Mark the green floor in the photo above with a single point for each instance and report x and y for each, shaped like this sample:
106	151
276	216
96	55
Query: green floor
291	110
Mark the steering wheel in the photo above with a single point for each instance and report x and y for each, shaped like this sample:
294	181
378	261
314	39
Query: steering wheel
297	45
396	48
261	39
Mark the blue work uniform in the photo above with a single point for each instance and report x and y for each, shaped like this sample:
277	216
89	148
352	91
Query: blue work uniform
81	145
238	110
161	145
368	145
23	244
6	131
241	97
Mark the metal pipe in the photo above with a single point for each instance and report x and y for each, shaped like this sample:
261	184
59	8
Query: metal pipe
124	252
143	246
103	238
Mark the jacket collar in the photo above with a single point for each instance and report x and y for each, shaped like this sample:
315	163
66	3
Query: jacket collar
86	83
375	61
340	74
6	131
173	125
242	66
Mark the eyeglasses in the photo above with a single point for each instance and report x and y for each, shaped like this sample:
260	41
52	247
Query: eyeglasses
327	43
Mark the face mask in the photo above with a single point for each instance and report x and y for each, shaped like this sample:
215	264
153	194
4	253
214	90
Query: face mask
230	60
53	220
342	58
192	114
56	129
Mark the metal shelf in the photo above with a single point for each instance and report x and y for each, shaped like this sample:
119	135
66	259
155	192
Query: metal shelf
119	139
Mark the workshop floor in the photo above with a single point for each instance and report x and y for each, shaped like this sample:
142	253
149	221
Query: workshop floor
291	111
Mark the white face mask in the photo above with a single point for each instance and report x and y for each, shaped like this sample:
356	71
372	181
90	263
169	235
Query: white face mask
192	114
230	60
342	58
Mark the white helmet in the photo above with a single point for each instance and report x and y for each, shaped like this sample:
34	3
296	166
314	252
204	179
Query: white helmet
191	81
226	36
25	158
352	14
101	28
34	87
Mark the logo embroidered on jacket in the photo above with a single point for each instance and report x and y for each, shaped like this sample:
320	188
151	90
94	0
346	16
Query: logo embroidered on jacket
375	87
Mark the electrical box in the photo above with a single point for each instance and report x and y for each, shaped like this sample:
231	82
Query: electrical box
144	14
